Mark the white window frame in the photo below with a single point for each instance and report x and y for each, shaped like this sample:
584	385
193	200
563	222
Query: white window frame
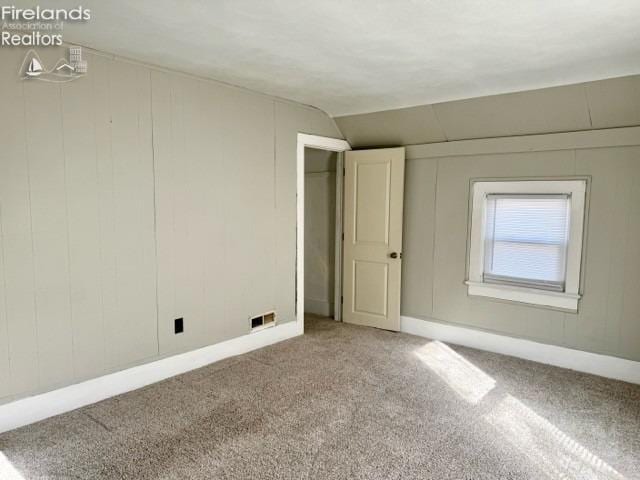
567	300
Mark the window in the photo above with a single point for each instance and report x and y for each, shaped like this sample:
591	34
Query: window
526	241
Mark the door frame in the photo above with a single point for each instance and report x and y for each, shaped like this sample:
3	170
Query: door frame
332	145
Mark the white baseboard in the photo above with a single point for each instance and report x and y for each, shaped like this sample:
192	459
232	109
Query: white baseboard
319	307
596	364
33	409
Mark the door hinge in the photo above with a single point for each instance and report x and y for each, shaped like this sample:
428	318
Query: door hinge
341	300
344	171
343	236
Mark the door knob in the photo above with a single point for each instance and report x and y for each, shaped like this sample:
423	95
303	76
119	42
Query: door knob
393	255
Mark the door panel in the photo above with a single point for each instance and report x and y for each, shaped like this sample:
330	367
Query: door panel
372	203
374	187
371	284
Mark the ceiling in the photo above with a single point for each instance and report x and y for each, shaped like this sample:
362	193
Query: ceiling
355	56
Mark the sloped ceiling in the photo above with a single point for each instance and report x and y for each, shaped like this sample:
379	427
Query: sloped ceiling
593	105
349	57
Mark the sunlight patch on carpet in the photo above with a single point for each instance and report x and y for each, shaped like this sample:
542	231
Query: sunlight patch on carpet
557	454
7	470
468	381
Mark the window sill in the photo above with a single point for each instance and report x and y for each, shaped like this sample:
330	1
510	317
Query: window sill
564	301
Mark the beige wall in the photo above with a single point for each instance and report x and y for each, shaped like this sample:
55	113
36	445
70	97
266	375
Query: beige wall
436	203
128	198
316	160
435	237
594	105
319	231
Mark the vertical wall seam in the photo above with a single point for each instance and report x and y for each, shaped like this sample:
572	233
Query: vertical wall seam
100	220
433	249
177	111
155	210
66	213
33	250
172	188
4	287
275	163
586	101
116	272
275	204
627	221
435	114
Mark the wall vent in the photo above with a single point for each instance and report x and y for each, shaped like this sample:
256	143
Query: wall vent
262	321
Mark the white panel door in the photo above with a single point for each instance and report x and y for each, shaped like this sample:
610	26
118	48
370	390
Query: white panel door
374	187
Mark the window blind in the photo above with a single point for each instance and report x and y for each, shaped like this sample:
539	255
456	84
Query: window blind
526	240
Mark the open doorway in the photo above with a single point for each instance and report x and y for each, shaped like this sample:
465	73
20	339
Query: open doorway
320	205
325	156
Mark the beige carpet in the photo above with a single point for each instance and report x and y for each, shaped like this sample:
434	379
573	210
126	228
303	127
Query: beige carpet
347	402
